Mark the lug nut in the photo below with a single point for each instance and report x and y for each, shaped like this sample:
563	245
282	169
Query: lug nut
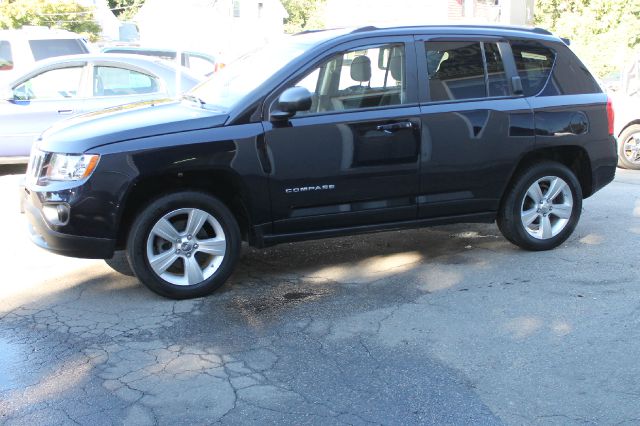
188	254
188	237
195	246
177	251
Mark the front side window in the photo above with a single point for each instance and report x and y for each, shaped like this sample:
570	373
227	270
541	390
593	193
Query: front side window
112	81
61	83
364	78
6	58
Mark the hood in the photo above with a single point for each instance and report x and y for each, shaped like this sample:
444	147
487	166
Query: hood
127	122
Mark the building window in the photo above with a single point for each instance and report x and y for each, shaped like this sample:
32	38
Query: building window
236	8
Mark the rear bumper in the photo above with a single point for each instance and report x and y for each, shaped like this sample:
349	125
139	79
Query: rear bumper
604	166
57	242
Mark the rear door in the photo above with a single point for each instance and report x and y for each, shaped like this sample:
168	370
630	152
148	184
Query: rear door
474	127
353	158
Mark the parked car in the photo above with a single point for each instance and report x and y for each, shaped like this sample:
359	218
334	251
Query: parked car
20	49
627	126
341	132
199	63
60	87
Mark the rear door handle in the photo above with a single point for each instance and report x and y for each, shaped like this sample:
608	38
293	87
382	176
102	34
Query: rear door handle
65	111
390	128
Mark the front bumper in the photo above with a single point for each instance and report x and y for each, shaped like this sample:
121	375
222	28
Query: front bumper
58	242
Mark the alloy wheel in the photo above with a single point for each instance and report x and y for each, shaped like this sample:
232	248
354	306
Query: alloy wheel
546	207
186	246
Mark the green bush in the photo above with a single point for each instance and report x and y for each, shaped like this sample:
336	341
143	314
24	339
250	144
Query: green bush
66	15
604	33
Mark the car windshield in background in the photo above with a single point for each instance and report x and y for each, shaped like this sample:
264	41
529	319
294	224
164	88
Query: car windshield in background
229	85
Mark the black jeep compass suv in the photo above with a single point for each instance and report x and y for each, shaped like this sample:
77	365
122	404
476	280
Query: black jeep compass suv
330	133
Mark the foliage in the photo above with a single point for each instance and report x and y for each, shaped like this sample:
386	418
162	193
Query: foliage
303	15
65	14
125	10
603	33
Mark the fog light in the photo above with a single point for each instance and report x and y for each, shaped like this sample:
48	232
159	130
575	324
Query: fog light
56	214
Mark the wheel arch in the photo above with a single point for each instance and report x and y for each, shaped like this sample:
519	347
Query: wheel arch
223	184
626	126
574	157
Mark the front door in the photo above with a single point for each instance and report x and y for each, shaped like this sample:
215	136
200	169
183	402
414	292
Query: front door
352	159
38	103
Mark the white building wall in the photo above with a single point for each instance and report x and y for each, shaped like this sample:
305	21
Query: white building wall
355	13
209	26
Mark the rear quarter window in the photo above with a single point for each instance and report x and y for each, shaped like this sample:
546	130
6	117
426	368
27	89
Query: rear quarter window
6	58
43	49
570	76
551	69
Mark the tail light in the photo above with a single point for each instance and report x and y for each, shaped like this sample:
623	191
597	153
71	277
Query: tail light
610	115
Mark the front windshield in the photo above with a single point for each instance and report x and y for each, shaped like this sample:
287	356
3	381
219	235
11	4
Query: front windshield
228	86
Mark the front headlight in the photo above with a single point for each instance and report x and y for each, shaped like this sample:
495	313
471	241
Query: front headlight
70	167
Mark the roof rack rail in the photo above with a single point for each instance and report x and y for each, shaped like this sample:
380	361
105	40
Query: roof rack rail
363	29
310	31
539	30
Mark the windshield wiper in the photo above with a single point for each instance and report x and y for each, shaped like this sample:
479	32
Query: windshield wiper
193	98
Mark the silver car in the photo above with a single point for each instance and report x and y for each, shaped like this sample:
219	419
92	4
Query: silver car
64	86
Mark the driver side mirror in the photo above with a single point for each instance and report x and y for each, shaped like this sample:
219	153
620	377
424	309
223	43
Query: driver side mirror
292	100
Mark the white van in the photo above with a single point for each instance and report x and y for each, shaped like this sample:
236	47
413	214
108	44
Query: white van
20	49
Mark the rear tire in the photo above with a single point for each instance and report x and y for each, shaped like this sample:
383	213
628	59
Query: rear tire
629	148
184	245
541	207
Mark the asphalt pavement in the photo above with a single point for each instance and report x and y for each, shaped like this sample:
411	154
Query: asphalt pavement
448	325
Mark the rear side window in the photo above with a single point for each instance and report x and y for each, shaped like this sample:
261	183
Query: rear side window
465	70
496	76
534	63
112	81
6	59
456	70
43	49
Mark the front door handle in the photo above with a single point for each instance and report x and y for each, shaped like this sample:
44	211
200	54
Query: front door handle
390	128
65	111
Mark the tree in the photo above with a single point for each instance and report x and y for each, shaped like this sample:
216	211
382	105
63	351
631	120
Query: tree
603	33
125	10
303	15
66	15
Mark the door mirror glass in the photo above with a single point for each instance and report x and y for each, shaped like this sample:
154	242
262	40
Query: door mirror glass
292	100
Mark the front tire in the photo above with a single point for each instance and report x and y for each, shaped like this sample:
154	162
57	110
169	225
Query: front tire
184	245
629	148
541	207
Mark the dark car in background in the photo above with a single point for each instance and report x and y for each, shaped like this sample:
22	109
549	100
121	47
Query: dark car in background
341	132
